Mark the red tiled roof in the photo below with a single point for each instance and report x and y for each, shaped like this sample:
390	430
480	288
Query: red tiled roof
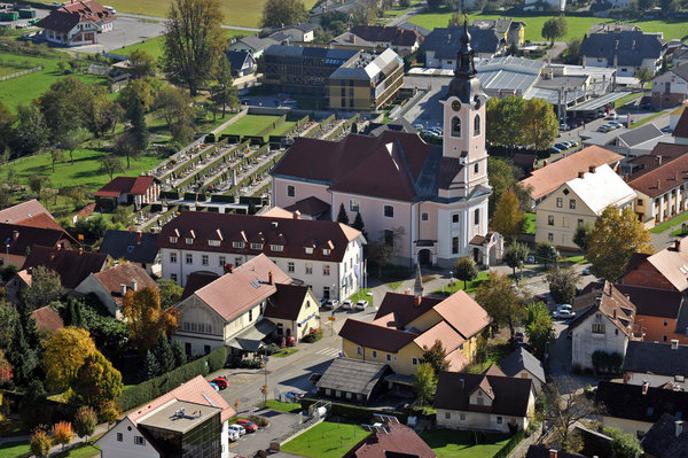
125	273
286	303
47	319
25	210
64	18
73	266
681	129
662	179
403	307
17	240
126	185
396	440
609	301
375	336
42	220
660	154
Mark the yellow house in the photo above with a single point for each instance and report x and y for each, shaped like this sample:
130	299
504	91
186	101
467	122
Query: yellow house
294	310
405	326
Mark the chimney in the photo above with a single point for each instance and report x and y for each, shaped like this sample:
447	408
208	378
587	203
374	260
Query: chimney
123	289
646	386
659	159
81	251
674	344
15	234
270	278
139	237
677	245
553	453
417	300
296	214
592	169
134	285
614	314
581	174
678	424
275	224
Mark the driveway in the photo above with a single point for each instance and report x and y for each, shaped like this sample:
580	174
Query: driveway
128	30
281	425
559	363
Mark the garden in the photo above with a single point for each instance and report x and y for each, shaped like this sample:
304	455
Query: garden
326	440
464	444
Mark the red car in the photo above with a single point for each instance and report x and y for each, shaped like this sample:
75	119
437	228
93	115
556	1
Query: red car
221	382
248	425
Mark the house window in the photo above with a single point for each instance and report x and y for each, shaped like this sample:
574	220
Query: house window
462	417
221	261
291	192
572	204
250	315
424	216
206	349
326	270
414	361
455	218
277	248
189	241
359	351
550	237
447	415
309	250
238	245
499	420
173	239
476	216
326	292
476	125
476	167
139	440
354	205
173	258
290	267
639	202
598	328
550	220
455	245
189	258
580	222
456	127
389	211
173	277
374	354
204	260
256	246
237	262
309	269
120	437
560	202
326	251
213	243
389	357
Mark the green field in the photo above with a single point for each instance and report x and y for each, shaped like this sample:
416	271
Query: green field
252	125
326	440
577	26
15	450
284	128
154	46
461	444
24	89
289	407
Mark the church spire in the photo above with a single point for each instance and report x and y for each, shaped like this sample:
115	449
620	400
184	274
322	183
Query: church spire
418	284
465	84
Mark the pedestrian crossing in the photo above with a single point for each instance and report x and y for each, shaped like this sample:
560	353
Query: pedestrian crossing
329	351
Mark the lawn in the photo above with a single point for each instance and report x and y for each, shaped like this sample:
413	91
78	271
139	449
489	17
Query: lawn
647	119
284	128
577	25
80	451
24	89
289	407
84	171
253	125
15	450
471	286
529	225
462	444
668	224
496	351
283	353
326	440
361	295
626	99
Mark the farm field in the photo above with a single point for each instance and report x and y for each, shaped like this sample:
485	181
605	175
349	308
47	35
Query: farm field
154	46
577	26
24	89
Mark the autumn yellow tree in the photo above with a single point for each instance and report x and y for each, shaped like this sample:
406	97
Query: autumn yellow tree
146	319
97	381
508	217
64	354
617	235
63	433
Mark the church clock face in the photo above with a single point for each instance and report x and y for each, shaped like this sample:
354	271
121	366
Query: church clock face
456	105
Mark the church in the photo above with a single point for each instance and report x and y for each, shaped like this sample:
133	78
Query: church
428	202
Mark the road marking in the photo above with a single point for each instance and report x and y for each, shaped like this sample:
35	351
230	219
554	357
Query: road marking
328	351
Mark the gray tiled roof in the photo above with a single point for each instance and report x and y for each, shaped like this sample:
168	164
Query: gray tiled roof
657	358
629	46
521	359
640	135
445	41
352	376
661	441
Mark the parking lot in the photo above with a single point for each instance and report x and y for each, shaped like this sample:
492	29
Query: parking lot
128	30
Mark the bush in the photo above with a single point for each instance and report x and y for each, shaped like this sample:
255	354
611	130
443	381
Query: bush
272	349
353	412
260	421
313	336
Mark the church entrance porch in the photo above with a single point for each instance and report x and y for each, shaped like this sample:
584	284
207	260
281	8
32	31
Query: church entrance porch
487	250
426	252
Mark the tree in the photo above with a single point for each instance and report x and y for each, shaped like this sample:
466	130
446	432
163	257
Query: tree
141	64
539	327
425	383
63	105
564	412
500	301
146	318
102	113
436	356
9	317
164	355
40	443
465	270
109	412
342	216
501	176
624	445
562	285
64	354
150	368
572	54
194	42
175	107
582	236
126	146
617	235
170	293
72	139
138	92
22	356
6	372
36	183
358	223
45	288
644	75
224	94
504	119
179	353
85	421
7	119
62	433
111	165
508	217
515	256
97	381
540	126
547	253
456	20
56	155
278	13
554	28
138	134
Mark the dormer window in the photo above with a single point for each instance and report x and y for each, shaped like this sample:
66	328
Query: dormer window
213	243
278	248
189	241
326	251
238	245
309	250
256	246
173	239
456	127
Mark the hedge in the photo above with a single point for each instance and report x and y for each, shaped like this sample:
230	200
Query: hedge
509	446
155	387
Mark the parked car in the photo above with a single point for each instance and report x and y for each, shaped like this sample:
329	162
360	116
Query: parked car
248	425
361	305
554	150
563	314
293	396
233	434
238	429
615	124
604	128
347	305
561	146
214	386
330	304
564	307
221	382
587	271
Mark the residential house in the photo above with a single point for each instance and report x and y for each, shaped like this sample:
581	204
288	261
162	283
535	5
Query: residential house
242	63
402	41
295	311
392	439
349	40
295	33
366	82
325	255
540	451
30	213
667	438
406	325
252	44
659	364
77	23
547	179
606	325
47	319
73	266
513	32
210	317
579	201
671	87
139	191
133	246
353	380
483	402
520	363
111	285
641	140
441	45
635	408
308	208
428	202
19	240
192	419
660	190
626	50
663	270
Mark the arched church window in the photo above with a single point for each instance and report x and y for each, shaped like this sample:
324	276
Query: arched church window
476	125
456	127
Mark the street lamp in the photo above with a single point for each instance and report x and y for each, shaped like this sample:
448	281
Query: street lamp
266	358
